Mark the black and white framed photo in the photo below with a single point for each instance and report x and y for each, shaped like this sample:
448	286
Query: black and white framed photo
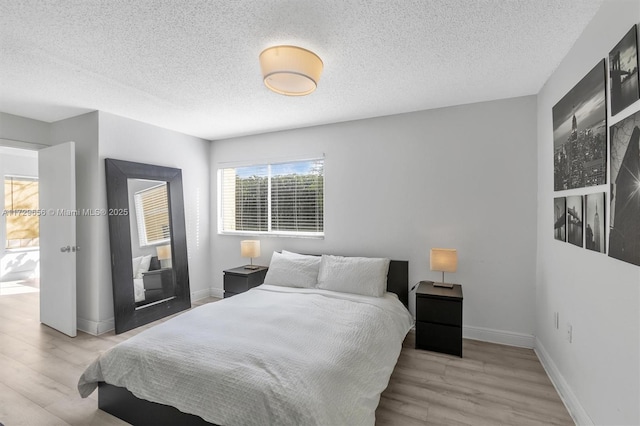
624	211
623	72
594	219
580	134
560	218
574	220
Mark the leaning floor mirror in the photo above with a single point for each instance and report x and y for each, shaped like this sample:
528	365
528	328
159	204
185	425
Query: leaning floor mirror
148	242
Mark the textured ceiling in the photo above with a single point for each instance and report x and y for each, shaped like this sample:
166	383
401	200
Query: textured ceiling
192	65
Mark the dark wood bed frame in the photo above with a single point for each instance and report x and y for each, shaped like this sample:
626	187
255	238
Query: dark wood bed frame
121	403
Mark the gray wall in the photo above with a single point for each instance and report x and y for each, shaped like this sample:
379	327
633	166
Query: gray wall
16	128
598	374
461	177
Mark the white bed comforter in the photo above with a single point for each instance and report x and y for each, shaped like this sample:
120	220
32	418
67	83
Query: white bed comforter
272	355
138	289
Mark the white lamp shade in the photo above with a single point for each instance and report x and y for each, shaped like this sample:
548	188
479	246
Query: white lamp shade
250	248
290	70
445	260
164	252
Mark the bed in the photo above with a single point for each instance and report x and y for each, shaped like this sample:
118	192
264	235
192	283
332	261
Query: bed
276	354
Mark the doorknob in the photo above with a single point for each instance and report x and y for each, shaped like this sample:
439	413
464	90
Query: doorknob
65	249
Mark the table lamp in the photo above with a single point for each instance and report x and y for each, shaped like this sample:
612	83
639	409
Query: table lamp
164	255
444	260
251	249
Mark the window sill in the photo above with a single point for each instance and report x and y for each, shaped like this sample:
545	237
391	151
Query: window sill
21	250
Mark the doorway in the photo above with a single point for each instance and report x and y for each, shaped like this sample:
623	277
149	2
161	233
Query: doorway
52	277
19	233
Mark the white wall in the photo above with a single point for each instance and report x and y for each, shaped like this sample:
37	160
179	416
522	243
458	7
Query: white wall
130	140
462	177
598	374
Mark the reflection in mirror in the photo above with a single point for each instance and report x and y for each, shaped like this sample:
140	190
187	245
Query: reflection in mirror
153	279
147	234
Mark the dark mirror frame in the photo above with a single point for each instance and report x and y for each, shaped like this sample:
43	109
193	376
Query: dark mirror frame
126	315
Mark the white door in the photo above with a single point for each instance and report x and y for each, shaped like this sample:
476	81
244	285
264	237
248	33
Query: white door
57	180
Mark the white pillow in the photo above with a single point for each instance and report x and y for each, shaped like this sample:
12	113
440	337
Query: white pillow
135	265
292	271
359	275
298	255
144	265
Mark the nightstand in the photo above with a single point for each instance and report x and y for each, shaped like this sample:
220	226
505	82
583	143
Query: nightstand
439	318
158	284
238	280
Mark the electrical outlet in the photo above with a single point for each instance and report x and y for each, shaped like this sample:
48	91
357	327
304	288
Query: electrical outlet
556	320
569	333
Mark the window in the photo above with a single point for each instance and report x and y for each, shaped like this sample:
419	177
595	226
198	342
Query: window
20	198
152	215
280	198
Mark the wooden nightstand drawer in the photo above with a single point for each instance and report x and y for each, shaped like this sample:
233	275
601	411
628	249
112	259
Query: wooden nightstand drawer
440	338
239	280
439	311
158	279
235	283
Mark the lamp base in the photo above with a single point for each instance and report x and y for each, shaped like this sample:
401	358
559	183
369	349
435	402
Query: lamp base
446	285
252	267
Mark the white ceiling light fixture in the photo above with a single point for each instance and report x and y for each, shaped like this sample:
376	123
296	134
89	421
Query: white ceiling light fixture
290	70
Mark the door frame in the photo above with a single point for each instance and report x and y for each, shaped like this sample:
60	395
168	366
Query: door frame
26	146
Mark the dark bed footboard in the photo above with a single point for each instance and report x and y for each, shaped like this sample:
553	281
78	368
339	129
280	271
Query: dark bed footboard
124	405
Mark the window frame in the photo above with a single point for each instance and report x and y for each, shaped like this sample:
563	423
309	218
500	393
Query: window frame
269	232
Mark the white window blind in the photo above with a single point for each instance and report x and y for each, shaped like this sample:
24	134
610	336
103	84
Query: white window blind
280	198
152	215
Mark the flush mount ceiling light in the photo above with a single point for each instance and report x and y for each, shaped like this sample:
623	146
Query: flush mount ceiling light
290	70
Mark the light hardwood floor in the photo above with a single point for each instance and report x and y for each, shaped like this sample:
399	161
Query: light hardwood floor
491	385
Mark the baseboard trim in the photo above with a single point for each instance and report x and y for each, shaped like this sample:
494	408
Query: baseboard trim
95	328
576	410
216	292
200	294
499	336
